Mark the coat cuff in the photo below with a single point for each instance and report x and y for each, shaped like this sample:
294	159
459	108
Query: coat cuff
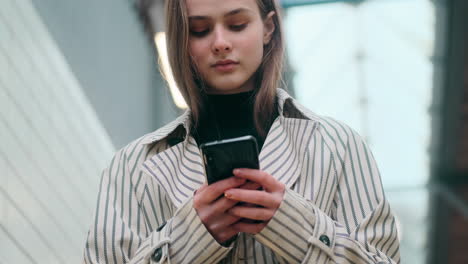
298	230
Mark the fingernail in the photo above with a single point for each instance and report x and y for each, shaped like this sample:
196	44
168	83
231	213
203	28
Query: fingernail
237	171
228	194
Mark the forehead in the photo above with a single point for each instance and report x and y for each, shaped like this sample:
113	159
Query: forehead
215	8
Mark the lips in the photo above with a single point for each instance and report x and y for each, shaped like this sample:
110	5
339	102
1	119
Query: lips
225	65
224	62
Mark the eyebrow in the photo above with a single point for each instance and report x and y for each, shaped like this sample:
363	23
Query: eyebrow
230	13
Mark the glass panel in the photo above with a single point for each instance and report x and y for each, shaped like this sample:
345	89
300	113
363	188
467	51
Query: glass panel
369	65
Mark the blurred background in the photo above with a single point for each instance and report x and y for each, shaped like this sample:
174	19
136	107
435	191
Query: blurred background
81	79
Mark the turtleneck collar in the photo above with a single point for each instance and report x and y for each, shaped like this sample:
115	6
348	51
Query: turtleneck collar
227	116
229	106
287	107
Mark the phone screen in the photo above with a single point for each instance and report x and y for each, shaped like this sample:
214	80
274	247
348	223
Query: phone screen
222	157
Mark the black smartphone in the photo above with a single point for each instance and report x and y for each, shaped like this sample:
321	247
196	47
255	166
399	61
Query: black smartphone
223	156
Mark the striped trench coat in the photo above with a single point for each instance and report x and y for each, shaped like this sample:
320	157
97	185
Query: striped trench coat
334	209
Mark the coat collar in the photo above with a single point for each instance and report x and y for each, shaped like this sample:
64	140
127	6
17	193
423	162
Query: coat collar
287	107
179	169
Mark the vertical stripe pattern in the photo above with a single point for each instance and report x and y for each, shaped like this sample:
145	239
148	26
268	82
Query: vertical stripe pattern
334	209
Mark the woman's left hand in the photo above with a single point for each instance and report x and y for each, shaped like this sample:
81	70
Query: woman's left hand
265	201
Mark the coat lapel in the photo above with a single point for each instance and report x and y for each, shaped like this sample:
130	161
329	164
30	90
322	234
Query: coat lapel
179	169
285	147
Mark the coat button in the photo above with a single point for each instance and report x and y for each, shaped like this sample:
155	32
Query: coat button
325	240
157	254
161	227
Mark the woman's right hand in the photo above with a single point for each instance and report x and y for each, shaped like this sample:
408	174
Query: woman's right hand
212	207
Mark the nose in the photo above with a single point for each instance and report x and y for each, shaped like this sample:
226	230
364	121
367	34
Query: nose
221	43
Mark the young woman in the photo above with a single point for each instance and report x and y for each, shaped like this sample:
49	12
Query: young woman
321	199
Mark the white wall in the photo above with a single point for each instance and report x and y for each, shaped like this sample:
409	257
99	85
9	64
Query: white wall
52	145
114	60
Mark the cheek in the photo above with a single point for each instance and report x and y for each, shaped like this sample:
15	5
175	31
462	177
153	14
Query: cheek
252	47
252	42
198	50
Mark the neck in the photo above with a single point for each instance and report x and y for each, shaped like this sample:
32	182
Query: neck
246	87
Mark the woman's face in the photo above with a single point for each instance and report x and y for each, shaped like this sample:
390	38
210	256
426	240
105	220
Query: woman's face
226	42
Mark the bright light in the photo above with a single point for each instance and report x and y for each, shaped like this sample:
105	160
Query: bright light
160	41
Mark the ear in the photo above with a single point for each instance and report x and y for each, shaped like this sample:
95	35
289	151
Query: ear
268	27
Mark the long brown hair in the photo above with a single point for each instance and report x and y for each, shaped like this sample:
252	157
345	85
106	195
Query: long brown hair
267	77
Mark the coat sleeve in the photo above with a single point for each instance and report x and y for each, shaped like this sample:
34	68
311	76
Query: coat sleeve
357	231
132	225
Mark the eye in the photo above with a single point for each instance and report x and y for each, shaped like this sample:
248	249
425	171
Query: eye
238	27
199	34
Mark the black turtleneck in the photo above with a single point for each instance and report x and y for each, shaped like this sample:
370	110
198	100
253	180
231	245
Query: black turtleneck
227	116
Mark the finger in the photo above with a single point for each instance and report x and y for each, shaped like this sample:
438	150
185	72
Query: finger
222	222
250	185
263	178
247	204
215	190
255	197
227	234
221	205
248	227
254	213
202	188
